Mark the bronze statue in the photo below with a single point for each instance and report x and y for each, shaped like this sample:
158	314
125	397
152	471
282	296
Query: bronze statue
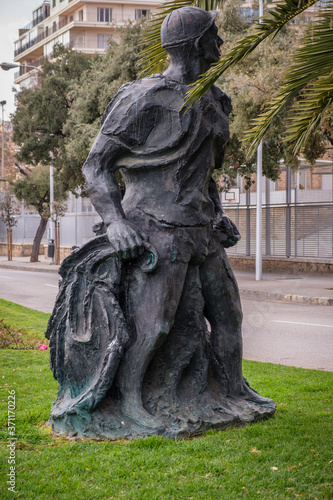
145	336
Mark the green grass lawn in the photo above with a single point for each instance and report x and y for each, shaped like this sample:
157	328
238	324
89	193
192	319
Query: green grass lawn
18	317
288	456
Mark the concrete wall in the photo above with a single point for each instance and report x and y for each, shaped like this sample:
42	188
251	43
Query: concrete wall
19	250
284	265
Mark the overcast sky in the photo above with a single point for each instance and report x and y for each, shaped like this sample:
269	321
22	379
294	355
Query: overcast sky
14	14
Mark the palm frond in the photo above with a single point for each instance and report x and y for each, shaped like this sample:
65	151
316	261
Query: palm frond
308	112
309	79
271	24
153	57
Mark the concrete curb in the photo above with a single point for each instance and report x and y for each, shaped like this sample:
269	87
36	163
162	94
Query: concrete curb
318	301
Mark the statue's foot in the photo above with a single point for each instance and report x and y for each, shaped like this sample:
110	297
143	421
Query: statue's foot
248	394
142	417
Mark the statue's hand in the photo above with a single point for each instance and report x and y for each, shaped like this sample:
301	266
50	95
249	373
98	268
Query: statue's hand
126	239
226	230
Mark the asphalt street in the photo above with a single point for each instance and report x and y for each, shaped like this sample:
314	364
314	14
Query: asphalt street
30	289
278	332
288	333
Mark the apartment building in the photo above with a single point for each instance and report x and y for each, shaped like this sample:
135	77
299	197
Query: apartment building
250	8
84	25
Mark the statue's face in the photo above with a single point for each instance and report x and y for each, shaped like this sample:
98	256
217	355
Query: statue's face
211	43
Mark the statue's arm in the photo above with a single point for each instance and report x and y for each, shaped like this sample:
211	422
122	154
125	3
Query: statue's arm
215	197
99	172
223	224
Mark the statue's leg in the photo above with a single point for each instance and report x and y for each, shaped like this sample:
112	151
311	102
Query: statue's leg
224	313
152	302
178	371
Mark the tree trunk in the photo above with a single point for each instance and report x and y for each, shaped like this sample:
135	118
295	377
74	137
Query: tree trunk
37	239
57	243
10	244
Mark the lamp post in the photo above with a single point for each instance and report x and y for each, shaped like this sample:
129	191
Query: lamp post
3	103
51	206
259	192
259	215
7	66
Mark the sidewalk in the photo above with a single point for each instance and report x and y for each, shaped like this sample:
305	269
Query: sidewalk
24	264
310	289
282	287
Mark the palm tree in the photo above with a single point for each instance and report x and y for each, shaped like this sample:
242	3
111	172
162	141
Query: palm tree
307	85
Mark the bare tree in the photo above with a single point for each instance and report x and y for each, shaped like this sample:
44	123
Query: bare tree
9	212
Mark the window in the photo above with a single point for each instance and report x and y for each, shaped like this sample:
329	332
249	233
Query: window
248	14
303	179
63	39
104	15
53	3
139	13
80	15
78	41
102	41
37	16
87	207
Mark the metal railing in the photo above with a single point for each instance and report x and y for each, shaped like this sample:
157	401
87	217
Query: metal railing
34	22
47	32
56	27
289	230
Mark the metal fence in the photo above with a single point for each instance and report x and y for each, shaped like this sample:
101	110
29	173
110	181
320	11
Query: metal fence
292	226
75	226
292	230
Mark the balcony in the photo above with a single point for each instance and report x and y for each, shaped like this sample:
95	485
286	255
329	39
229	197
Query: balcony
47	32
57	26
24	70
34	23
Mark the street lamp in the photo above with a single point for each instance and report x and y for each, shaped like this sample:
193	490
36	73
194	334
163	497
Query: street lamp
3	103
7	66
51	206
259	192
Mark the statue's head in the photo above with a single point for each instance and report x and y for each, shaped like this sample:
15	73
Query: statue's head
191	28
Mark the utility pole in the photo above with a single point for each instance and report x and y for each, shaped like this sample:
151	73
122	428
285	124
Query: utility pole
51	204
259	192
9	229
3	103
259	215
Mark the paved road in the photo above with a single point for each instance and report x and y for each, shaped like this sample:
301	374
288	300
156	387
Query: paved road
277	332
288	333
30	289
